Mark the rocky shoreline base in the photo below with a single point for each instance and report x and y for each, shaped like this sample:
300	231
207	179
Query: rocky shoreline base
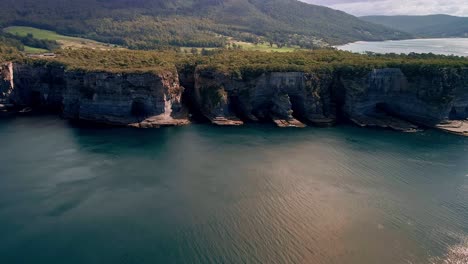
386	98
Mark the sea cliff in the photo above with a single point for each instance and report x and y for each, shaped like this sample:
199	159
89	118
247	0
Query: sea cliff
130	99
393	96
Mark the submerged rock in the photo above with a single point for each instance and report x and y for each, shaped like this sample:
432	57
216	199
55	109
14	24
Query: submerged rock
385	121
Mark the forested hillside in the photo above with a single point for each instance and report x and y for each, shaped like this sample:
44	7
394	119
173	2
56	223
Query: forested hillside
147	24
425	26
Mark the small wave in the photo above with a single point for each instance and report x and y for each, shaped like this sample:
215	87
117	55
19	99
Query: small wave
428	162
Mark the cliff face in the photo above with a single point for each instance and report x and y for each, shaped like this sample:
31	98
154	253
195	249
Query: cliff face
422	99
278	96
38	86
142	100
460	97
135	99
6	81
386	98
391	97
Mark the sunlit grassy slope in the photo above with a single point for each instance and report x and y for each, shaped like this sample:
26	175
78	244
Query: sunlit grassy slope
64	41
29	49
264	47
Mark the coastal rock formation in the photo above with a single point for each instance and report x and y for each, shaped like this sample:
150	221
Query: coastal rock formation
6	86
397	98
6	79
38	86
389	98
278	96
460	97
133	99
137	99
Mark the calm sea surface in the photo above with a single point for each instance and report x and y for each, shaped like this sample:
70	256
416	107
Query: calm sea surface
450	46
254	194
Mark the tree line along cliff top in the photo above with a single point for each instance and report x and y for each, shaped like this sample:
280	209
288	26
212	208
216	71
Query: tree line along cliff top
236	62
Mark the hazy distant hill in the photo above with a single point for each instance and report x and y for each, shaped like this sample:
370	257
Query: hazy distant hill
426	26
203	23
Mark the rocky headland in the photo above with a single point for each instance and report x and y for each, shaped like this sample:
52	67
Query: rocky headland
399	98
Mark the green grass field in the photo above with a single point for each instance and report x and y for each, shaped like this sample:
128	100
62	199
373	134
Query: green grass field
37	33
28	49
264	47
250	47
64	41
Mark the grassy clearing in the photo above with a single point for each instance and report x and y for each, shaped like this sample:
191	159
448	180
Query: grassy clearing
64	41
248	47
264	47
37	33
199	50
28	49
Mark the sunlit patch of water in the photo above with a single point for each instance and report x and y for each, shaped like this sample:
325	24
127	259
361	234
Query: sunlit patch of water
456	254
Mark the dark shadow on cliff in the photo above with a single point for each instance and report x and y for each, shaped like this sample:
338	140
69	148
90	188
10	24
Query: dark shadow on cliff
189	101
338	99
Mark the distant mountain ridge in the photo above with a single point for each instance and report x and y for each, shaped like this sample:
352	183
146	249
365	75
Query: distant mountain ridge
425	26
202	23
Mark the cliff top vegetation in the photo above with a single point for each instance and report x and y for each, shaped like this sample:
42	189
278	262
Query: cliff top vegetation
8	50
237	62
327	59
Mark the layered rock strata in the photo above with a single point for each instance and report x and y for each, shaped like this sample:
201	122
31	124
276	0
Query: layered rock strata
129	99
390	97
6	86
136	99
283	97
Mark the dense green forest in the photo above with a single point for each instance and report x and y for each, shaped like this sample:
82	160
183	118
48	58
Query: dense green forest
237	62
149	24
425	26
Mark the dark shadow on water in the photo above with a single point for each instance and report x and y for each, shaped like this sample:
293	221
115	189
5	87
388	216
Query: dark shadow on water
155	143
89	134
92	190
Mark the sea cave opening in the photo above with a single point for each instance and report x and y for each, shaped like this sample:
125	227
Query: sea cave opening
297	106
381	108
139	108
36	99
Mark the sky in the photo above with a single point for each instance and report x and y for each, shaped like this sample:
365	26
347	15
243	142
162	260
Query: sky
397	7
